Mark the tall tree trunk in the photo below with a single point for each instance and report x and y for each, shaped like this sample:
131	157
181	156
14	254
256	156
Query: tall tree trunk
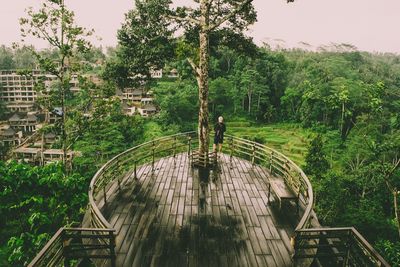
249	93
396	209
203	128
342	120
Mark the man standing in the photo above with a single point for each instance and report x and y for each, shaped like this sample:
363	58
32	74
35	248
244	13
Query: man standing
219	129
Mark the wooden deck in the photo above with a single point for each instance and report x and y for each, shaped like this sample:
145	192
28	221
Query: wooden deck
173	217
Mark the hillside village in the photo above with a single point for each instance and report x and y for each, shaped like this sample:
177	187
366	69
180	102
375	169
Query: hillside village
20	134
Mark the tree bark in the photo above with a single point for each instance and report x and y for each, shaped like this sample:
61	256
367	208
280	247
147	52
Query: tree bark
396	210
249	94
203	125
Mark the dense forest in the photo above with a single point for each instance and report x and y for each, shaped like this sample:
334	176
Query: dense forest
346	101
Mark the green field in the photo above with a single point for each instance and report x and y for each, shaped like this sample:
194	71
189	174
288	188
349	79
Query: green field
289	139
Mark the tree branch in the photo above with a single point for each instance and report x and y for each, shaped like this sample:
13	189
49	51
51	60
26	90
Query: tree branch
184	19
230	15
194	66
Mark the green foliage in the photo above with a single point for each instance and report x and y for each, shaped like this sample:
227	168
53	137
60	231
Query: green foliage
316	162
36	201
178	104
390	251
106	134
145	43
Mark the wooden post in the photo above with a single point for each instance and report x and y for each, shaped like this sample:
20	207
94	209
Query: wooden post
231	148
64	249
270	162
269	192
105	195
152	162
174	146
189	144
94	191
348	247
134	171
253	155
112	249
119	179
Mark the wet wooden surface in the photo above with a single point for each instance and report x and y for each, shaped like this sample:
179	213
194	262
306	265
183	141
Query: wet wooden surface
172	217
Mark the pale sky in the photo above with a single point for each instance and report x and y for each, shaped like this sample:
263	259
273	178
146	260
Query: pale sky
371	25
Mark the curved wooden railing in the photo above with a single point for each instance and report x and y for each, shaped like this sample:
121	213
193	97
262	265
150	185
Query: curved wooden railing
112	176
281	165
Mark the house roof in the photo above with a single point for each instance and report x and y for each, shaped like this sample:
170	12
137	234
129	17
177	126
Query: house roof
15	117
50	135
31	117
149	107
27	150
8	132
134	91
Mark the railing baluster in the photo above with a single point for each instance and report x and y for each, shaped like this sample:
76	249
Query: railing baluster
112	249
174	146
231	148
135	171
253	154
105	195
189	144
152	161
270	162
118	174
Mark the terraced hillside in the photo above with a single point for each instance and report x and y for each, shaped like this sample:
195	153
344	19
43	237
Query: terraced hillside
290	139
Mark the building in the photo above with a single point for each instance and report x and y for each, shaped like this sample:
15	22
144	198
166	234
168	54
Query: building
25	124
147	110
128	110
34	155
74	84
132	94
173	73
18	91
10	137
146	101
27	154
49	138
156	74
54	155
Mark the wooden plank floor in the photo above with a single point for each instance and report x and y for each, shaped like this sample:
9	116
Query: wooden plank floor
172	216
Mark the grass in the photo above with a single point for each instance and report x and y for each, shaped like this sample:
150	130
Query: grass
290	139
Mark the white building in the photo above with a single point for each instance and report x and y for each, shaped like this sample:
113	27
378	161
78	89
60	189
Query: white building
156	74
25	124
18	92
147	110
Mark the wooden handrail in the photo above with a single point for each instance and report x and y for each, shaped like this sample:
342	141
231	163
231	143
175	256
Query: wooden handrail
272	154
256	153
65	239
95	180
347	241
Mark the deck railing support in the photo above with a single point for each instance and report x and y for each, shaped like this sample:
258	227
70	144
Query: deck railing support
231	148
119	179
112	249
134	171
152	160
174	147
189	144
253	154
270	162
105	195
64	249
